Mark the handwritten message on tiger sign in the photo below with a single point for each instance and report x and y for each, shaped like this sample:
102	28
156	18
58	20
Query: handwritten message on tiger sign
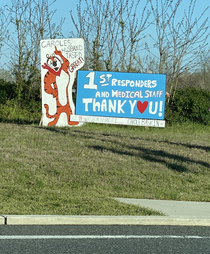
107	95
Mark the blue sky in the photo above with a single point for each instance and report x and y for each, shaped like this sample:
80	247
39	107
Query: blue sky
63	8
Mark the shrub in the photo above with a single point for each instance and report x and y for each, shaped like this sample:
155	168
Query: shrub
7	91
25	109
12	112
189	104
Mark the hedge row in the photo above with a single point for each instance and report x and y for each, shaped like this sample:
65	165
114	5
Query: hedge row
23	109
188	104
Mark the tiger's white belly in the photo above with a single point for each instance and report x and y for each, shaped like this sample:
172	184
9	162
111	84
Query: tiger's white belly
62	82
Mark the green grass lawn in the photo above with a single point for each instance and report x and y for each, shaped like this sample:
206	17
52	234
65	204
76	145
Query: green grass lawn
79	170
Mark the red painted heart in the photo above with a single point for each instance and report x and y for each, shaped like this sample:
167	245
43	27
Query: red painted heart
142	106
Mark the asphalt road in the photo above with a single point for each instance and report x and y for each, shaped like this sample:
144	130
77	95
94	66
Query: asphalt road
103	239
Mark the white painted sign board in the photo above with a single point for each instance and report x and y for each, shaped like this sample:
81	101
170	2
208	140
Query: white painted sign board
60	59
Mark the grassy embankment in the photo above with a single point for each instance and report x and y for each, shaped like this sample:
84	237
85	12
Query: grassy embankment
79	170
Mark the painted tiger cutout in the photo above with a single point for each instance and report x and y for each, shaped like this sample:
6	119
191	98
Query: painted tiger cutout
55	64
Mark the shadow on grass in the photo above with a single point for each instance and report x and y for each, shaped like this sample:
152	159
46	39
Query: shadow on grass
60	130
155	156
82	132
19	121
205	148
148	154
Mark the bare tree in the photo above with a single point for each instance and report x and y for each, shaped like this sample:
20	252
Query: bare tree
177	42
30	22
112	31
4	22
200	77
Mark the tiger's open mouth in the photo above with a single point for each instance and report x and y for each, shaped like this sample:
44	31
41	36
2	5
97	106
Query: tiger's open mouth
56	68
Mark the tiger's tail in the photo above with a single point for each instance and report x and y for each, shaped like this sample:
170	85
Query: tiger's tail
55	116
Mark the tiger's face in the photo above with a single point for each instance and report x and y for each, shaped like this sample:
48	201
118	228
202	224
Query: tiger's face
53	64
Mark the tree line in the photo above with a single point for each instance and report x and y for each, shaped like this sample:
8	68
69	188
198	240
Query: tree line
154	36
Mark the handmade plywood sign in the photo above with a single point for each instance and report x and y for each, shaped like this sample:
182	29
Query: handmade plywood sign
60	59
120	98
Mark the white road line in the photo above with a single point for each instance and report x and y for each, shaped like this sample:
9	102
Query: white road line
29	237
